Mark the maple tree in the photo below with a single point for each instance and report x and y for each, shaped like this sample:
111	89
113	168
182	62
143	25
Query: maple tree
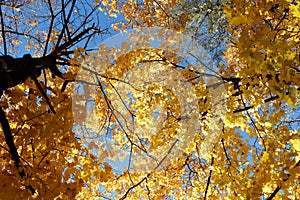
134	121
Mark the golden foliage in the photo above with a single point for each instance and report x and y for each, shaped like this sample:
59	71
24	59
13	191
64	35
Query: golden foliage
124	145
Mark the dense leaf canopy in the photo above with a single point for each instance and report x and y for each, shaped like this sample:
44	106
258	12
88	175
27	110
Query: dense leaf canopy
199	101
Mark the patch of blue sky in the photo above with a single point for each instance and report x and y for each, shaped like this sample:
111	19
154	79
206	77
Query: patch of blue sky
250	141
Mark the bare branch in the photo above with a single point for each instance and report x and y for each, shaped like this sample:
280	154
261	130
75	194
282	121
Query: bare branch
274	193
66	21
2	30
134	186
9	139
44	94
50	27
208	180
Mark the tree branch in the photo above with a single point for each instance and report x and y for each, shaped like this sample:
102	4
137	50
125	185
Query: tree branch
249	107
9	139
44	94
274	193
50	27
208	180
279	187
66	21
134	186
2	30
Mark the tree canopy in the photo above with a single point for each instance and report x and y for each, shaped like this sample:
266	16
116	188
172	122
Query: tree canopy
189	99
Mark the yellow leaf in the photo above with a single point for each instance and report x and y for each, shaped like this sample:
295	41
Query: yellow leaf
294	10
36	195
238	20
296	144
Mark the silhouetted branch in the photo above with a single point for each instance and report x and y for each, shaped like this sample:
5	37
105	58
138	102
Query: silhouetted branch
44	94
279	187
66	21
249	107
50	28
2	30
134	186
9	139
208	180
274	193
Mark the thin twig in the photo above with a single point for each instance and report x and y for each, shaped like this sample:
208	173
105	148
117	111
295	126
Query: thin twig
65	26
50	28
2	30
134	186
44	94
208	180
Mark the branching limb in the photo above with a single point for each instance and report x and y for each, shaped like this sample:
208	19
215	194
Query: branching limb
50	27
277	189
274	193
9	138
2	30
272	98
208	180
226	154
66	21
44	94
134	186
12	147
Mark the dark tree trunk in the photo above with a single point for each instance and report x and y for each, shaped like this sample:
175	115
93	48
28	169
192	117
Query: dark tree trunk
14	71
